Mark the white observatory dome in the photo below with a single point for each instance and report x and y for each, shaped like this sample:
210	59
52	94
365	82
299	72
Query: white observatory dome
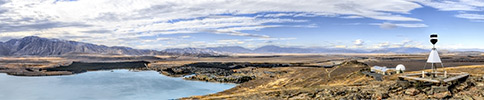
400	67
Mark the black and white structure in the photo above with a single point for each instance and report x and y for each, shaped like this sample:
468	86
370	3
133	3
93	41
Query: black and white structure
434	58
440	80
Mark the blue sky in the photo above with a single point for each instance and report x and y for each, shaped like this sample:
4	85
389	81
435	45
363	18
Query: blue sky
148	24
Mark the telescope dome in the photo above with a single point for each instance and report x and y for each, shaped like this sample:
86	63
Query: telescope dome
400	67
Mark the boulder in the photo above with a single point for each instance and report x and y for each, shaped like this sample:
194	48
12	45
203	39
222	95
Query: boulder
412	92
480	84
403	84
442	95
381	96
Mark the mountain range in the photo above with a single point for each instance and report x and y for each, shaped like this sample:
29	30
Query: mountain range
37	46
33	45
278	49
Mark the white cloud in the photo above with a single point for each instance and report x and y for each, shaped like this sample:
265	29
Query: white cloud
230	41
382	45
412	25
163	39
457	5
352	17
453	5
471	16
277	15
115	22
351	24
388	25
186	36
340	46
407	44
358	42
402	44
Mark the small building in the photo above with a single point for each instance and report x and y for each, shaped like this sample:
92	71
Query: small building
400	68
384	70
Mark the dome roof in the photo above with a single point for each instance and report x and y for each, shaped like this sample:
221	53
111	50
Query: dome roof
400	67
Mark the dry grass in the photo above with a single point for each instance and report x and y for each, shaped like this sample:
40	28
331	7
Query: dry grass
31	62
31	58
297	78
471	69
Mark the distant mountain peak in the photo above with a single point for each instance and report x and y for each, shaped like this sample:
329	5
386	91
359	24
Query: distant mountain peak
31	37
266	46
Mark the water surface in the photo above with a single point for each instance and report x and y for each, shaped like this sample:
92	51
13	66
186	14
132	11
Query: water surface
104	85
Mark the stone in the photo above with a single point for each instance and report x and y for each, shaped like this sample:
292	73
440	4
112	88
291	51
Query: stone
341	93
480	84
403	84
478	98
412	92
301	96
442	95
381	96
465	97
462	86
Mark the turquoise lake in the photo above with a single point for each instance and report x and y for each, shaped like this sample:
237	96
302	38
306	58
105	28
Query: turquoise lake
104	85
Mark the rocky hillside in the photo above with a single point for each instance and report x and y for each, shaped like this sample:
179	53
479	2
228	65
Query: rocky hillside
273	83
38	46
347	83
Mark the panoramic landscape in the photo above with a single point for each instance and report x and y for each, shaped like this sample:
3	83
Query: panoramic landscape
241	49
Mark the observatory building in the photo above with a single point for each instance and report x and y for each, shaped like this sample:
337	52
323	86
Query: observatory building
384	70
400	68
381	70
440	80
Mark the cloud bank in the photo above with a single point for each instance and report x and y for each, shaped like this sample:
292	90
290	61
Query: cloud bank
127	22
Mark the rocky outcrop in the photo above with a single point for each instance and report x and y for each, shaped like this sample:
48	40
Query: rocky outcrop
188	70
353	62
79	67
72	68
223	79
460	90
326	93
220	71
